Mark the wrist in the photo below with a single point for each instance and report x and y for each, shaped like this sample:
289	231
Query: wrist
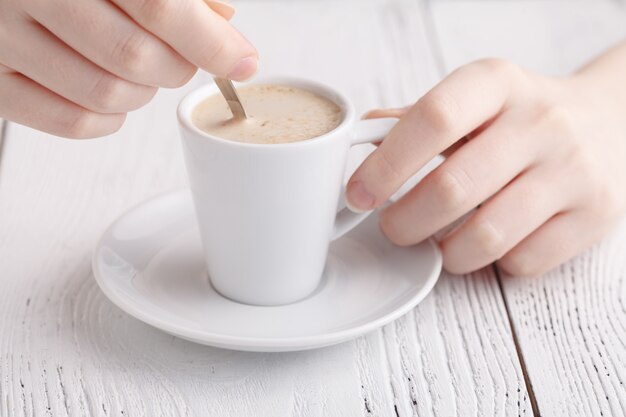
604	76
601	93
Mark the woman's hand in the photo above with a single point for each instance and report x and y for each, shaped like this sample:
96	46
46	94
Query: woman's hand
543	159
74	68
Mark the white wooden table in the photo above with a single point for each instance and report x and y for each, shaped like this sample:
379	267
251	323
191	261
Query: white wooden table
483	344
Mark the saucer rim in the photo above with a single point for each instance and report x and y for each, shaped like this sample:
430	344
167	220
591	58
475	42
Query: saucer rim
122	301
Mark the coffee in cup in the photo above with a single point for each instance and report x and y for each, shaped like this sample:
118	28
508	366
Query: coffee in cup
277	114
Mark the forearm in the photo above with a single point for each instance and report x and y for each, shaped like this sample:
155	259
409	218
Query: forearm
607	75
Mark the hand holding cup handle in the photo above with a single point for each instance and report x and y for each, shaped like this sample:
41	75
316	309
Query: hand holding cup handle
365	131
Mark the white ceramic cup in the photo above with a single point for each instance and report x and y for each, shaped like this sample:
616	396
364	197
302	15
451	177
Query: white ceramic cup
267	212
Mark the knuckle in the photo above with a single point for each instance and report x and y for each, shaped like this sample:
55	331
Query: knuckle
212	52
84	124
519	264
450	192
108	93
452	262
602	195
488	239
132	54
112	127
506	71
455	268
499	65
154	13
386	170
388	224
559	117
78	124
187	75
441	110
149	94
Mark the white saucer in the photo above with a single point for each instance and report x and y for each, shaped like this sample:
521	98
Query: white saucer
149	263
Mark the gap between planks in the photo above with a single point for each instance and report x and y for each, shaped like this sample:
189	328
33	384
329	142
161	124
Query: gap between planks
518	348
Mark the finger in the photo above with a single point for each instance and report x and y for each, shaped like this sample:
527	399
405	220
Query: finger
465	100
26	102
108	37
52	64
560	239
476	132
504	221
397	112
198	33
224	9
468	177
383	113
401	111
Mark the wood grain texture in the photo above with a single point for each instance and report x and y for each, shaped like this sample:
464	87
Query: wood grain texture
65	350
456	339
571	322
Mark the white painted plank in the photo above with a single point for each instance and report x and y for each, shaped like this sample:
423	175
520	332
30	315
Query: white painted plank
553	37
570	323
454	355
67	351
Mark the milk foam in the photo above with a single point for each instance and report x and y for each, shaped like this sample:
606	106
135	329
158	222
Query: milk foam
278	114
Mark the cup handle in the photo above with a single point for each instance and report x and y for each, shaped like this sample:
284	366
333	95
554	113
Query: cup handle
366	131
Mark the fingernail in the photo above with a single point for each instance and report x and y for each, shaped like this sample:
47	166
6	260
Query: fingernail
244	68
358	198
